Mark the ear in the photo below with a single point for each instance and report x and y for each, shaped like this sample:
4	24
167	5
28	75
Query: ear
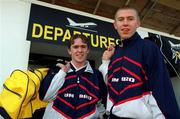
115	26
88	51
69	51
138	23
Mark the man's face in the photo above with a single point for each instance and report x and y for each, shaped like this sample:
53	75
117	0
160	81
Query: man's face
78	52
126	23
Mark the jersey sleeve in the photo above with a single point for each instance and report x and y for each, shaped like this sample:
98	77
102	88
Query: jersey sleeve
103	89
159	82
103	68
50	85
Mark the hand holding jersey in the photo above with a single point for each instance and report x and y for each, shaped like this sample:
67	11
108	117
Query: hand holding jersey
108	53
65	67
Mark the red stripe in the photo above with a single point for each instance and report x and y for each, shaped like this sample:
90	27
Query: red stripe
118	59
137	64
85	104
146	93
117	69
126	88
88	103
70	86
111	100
70	77
65	102
113	89
145	77
132	61
110	76
61	112
132	98
131	73
84	78
130	86
87	91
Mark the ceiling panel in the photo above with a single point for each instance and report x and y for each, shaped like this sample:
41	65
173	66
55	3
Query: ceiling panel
161	15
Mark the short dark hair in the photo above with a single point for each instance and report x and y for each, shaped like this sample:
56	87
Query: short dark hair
127	8
81	36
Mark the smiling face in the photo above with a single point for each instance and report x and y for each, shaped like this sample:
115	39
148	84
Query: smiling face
78	51
126	22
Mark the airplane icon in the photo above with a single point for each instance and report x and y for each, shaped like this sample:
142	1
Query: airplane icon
174	46
85	25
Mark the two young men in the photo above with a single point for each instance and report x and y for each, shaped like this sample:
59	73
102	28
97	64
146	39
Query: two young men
137	79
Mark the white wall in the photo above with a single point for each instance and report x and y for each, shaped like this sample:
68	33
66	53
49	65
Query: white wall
176	86
13	27
0	45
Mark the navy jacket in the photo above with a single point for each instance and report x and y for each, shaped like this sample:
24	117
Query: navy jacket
79	93
138	82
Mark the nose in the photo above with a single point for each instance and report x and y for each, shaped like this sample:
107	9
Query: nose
125	22
79	49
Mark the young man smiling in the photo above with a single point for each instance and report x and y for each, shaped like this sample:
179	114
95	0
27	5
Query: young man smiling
76	88
138	83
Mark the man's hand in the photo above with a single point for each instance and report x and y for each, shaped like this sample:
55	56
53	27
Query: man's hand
65	67
108	53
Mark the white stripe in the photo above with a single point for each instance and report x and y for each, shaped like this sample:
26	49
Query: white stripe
142	108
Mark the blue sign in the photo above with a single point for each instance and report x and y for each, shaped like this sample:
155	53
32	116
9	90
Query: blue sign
55	26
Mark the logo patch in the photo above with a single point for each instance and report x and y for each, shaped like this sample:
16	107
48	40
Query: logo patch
115	79
129	79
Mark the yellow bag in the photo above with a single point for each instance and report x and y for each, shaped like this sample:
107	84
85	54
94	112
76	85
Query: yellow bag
20	98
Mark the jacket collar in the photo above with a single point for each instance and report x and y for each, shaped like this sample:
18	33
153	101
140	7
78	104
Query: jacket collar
87	66
131	40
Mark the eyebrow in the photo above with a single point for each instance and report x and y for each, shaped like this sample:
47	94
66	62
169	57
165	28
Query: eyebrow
79	45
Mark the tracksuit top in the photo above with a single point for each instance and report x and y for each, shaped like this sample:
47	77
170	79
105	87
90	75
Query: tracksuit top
74	94
138	82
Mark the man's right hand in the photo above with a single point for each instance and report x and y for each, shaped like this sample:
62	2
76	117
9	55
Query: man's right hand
65	67
108	53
